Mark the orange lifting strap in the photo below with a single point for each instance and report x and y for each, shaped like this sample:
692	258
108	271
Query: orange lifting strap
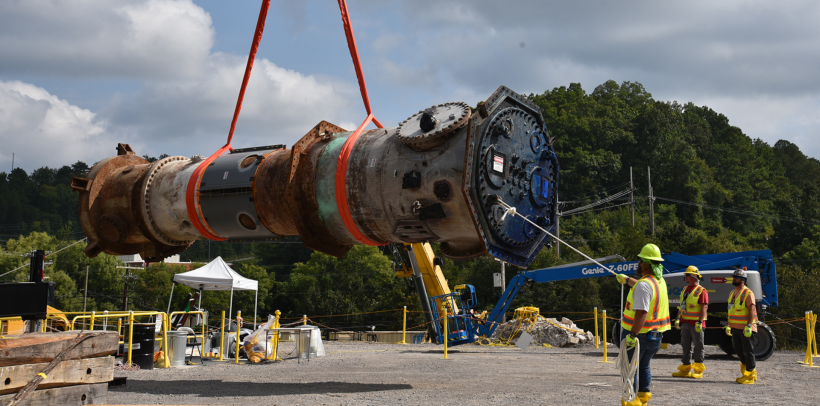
192	194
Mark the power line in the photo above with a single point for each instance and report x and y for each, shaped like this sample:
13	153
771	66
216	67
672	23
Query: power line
748	213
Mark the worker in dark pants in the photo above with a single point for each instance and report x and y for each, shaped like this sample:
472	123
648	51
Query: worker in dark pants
645	317
742	326
694	302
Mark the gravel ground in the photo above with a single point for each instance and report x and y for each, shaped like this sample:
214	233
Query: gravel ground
377	374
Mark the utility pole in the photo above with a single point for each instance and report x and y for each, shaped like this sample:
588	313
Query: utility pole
85	291
632	196
557	225
12	161
503	288
651	202
128	276
125	292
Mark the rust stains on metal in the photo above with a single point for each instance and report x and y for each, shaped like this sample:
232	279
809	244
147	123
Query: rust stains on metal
302	194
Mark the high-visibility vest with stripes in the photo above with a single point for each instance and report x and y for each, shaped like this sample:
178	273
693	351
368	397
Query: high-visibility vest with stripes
657	317
738	311
690	307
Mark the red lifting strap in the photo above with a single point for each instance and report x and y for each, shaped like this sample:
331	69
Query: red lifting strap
193	183
344	156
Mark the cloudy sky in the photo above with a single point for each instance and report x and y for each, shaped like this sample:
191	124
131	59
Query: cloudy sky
77	77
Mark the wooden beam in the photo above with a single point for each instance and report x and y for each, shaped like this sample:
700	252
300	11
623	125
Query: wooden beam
94	394
66	373
43	347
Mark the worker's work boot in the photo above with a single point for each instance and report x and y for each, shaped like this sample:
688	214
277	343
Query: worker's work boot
697	370
644	397
635	402
748	378
742	370
684	371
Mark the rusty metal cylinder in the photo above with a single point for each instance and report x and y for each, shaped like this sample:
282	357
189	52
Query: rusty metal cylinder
437	177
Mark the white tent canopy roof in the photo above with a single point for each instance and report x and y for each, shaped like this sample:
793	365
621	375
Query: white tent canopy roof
217	275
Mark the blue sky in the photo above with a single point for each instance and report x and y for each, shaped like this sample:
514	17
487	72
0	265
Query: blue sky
76	78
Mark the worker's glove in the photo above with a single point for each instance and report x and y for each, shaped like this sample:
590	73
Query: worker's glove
748	330
631	340
698	327
621	278
728	331
677	324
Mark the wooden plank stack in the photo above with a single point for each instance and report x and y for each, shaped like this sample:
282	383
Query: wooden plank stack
80	378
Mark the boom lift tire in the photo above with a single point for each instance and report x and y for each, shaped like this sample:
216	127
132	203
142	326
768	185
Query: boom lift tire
615	338
726	345
764	343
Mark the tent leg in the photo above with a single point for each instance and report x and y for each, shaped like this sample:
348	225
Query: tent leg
171	297
199	306
255	305
230	308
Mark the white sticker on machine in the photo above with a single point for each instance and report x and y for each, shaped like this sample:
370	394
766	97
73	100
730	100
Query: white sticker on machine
498	163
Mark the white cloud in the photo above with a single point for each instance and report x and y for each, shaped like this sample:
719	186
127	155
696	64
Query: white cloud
193	116
98	38
774	118
35	124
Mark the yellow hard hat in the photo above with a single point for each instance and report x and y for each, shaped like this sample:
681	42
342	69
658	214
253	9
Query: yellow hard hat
694	271
651	252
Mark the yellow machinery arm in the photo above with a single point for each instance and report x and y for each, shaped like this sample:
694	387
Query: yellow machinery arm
434	282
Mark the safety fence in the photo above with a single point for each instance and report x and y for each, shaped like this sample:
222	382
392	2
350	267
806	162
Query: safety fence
110	320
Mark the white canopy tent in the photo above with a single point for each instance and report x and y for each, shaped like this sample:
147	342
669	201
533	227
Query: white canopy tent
217	275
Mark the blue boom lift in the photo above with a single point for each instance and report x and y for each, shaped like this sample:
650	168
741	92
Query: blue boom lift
715	268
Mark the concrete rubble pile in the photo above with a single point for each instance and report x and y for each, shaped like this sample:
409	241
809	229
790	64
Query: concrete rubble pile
563	333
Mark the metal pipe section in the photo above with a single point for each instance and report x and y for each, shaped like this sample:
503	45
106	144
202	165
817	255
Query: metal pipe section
434	178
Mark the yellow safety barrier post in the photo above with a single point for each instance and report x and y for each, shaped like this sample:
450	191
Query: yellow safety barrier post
222	337
130	333
238	327
275	338
305	319
165	324
814	331
595	315
810	341
603	335
404	326
92	321
445	336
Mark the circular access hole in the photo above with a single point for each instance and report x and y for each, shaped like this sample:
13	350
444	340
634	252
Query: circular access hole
247	221
8	381
88	371
248	161
443	190
83	397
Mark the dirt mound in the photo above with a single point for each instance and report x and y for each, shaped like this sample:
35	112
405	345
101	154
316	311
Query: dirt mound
550	331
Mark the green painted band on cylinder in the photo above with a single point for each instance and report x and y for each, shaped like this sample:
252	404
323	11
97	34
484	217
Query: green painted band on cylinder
326	188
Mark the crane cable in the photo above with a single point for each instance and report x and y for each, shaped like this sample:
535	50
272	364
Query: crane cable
628	367
347	148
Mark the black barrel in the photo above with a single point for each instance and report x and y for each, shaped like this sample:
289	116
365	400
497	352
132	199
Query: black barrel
143	345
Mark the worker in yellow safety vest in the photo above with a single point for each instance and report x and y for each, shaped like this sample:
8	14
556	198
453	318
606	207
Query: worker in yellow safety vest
645	316
743	325
694	300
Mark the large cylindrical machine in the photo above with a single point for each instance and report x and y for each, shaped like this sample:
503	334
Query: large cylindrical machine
437	177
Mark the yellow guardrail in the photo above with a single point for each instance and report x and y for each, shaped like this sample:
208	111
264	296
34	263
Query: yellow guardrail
130	315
